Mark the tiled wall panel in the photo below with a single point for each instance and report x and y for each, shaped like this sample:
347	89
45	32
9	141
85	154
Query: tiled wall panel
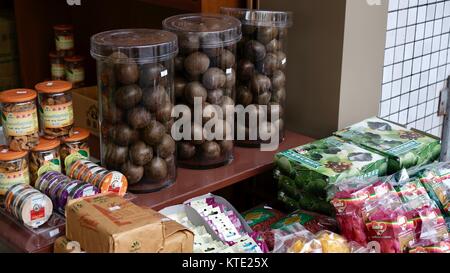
417	62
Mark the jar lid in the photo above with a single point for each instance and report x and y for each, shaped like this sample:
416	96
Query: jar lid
7	155
63	27
17	95
213	30
74	58
53	86
265	18
56	54
77	135
46	144
139	45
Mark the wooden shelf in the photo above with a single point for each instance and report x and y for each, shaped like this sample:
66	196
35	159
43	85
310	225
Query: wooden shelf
190	183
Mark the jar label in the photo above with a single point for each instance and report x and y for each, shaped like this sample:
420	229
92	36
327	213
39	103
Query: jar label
20	123
64	42
37	208
58	71
50	165
9	179
75	75
57	116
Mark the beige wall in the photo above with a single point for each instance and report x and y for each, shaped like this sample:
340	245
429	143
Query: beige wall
362	62
314	63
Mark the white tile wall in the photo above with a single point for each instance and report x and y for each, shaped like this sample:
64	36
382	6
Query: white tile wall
416	62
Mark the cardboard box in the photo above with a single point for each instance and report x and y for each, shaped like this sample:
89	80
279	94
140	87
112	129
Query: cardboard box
86	111
404	148
110	224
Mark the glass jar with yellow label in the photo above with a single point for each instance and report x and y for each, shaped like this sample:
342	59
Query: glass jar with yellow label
44	158
55	108
57	67
74	70
64	38
13	169
75	147
19	118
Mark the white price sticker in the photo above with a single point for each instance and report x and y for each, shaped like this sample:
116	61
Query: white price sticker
53	232
229	71
283	61
48	157
163	73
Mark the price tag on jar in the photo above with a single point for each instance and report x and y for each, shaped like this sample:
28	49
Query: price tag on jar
163	73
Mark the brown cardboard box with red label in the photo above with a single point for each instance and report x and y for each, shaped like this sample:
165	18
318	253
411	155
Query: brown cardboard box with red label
108	223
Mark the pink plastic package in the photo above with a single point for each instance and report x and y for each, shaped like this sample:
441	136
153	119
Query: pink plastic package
349	201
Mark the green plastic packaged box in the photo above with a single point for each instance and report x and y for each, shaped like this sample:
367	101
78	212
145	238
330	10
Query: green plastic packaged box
404	148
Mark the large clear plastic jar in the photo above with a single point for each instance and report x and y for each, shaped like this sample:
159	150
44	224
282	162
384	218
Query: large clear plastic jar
206	74
261	74
135	70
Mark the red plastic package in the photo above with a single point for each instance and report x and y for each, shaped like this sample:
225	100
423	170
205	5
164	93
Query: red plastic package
438	247
387	223
349	201
429	224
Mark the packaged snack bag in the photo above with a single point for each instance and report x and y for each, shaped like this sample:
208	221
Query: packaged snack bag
348	201
387	223
332	243
262	217
436	180
312	221
291	238
438	247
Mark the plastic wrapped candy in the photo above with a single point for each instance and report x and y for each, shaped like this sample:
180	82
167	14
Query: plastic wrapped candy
438	247
291	239
388	224
312	221
333	243
436	180
348	202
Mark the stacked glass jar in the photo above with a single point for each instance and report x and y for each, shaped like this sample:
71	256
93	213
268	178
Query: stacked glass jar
261	81
205	78
135	81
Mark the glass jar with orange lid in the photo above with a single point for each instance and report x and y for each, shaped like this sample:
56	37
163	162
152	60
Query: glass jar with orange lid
44	157
75	147
57	66
13	169
74	70
64	38
55	108
20	119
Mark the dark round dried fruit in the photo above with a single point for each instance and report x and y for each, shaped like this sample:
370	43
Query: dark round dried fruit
278	80
226	146
255	51
186	150
274	46
196	64
168	126
195	90
210	150
248	29
215	96
127	73
279	95
128	96
269	64
179	63
166	148
266	34
155	98
133	173
227	104
246	69
188	43
179	85
260	84
214	78
227	59
150	74
244	96
139	117
154	133
164	113
140	153
230	82
122	134
156	169
115	156
112	114
171	166
264	98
